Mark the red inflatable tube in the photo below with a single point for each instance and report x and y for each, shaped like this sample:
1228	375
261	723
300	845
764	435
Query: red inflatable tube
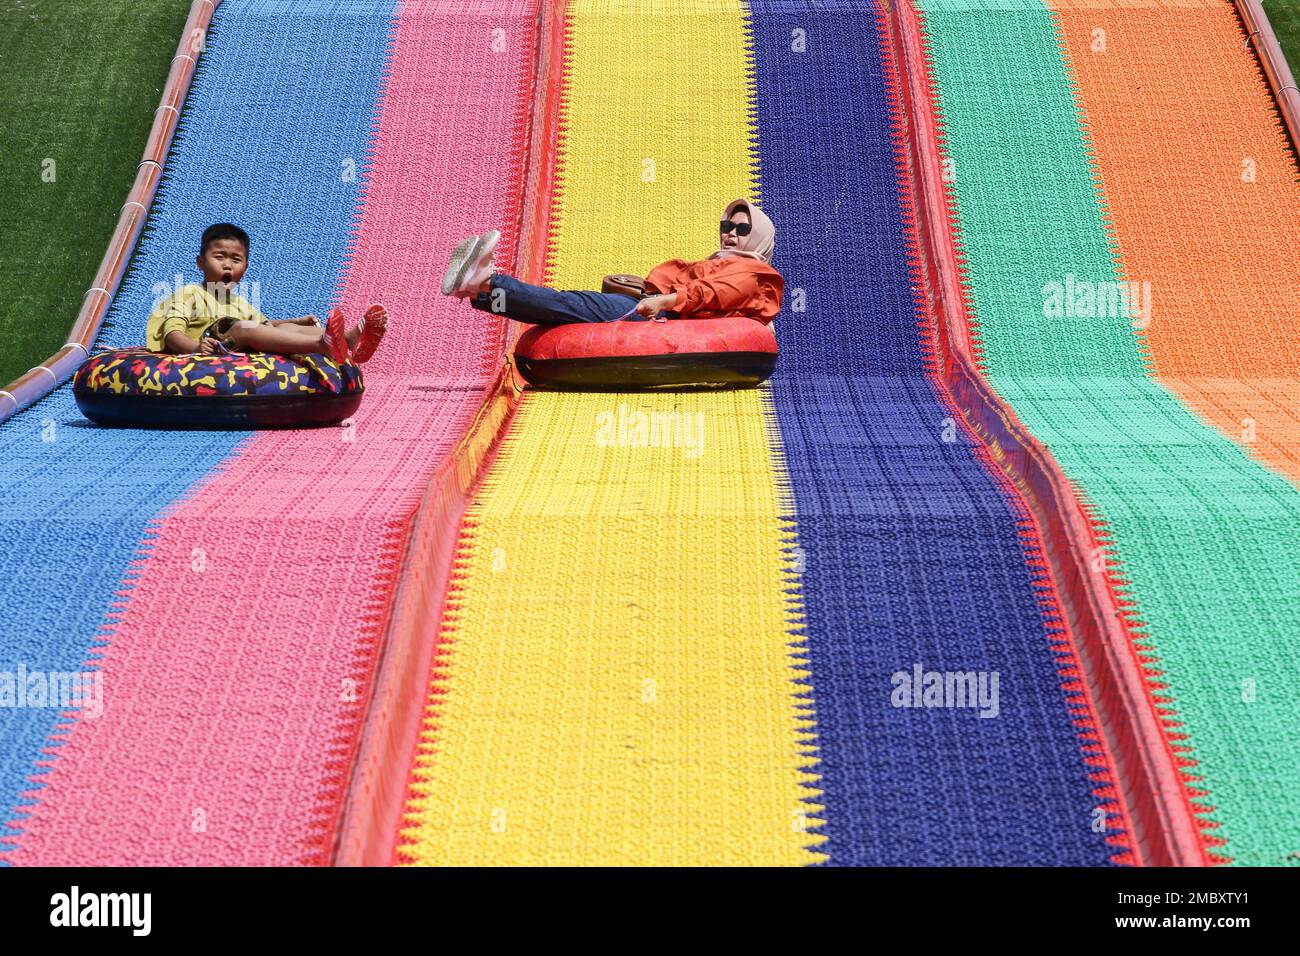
677	353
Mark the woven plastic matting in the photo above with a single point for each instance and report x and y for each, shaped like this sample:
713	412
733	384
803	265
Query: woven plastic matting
1230	204
617	681
912	551
230	587
1047	193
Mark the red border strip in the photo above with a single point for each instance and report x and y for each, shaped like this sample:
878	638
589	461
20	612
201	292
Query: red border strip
1273	60
36	383
1164	829
370	822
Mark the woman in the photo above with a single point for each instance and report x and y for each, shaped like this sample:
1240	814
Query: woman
738	279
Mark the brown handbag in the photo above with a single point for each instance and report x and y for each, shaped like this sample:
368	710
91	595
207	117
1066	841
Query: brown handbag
624	285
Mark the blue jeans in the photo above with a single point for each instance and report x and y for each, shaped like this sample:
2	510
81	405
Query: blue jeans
539	305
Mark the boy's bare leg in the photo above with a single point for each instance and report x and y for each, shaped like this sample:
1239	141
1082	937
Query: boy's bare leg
280	339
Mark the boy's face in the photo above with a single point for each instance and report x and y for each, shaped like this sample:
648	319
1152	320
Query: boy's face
223	263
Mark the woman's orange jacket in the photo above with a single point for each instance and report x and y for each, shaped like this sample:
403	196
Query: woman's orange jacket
719	288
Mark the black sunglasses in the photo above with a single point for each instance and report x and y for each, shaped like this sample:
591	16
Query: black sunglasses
742	228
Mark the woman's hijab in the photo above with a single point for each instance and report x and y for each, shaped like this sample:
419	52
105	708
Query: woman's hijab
761	241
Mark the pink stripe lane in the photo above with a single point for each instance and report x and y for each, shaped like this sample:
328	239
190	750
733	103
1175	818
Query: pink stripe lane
236	675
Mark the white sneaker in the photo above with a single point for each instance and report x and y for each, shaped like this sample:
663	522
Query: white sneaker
480	268
458	266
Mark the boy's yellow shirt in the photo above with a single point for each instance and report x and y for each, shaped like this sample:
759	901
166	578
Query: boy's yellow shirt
191	309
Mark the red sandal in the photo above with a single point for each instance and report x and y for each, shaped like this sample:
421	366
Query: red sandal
372	333
336	339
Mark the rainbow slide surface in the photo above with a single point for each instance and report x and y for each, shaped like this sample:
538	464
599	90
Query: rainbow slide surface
690	628
721	611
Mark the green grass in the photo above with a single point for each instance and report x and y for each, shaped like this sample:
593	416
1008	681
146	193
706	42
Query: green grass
79	83
1285	17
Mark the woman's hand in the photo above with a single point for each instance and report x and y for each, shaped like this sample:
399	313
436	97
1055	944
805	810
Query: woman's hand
653	304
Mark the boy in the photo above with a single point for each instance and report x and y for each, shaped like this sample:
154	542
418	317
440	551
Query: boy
212	318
